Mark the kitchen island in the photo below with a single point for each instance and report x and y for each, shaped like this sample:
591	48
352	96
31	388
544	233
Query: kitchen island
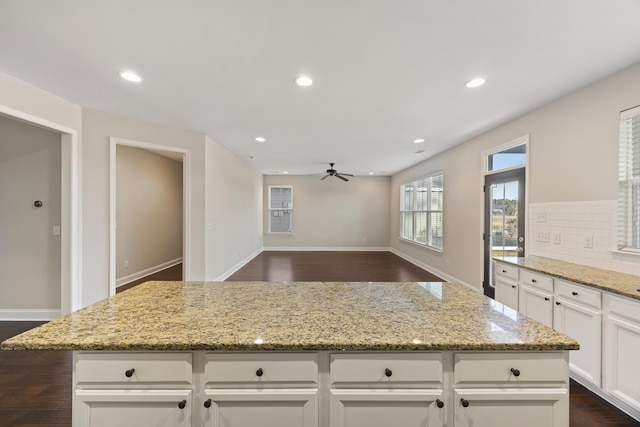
304	354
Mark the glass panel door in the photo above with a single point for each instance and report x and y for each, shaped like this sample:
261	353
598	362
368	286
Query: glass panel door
504	221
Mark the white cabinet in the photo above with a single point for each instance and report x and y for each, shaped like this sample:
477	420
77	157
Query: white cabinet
132	389
251	389
506	284
532	388
578	314
622	352
380	390
536	304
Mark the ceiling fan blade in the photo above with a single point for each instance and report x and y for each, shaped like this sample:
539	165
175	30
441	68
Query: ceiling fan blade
341	177
324	177
345	174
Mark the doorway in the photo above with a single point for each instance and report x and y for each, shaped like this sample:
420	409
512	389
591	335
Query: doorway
504	228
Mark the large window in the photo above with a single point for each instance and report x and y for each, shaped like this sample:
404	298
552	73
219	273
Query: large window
421	211
280	208
629	182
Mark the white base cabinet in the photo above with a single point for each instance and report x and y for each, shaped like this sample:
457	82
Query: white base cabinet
320	389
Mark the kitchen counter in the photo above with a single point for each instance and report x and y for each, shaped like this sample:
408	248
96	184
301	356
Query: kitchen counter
294	316
627	285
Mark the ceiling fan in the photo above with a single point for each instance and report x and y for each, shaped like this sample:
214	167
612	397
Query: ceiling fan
332	172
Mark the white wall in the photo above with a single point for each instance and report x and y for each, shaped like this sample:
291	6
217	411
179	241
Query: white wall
30	255
233	195
148	212
97	128
332	213
573	158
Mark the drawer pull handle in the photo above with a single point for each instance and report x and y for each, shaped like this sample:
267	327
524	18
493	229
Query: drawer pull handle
182	404
129	373
464	402
534	281
439	403
259	372
515	372
546	298
388	372
574	293
207	403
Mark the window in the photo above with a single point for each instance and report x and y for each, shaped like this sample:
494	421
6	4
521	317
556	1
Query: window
280	208
509	156
629	180
421	211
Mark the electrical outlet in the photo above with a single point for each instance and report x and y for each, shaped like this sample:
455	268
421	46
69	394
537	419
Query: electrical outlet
126	263
542	237
556	238
56	230
541	217
588	242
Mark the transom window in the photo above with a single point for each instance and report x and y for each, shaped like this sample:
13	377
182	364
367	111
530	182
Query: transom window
421	211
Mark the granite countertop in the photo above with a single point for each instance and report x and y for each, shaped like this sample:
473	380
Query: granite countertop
607	280
294	316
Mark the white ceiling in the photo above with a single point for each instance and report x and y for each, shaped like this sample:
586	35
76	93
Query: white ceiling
386	71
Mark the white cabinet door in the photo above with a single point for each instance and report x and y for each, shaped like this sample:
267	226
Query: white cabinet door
385	408
132	408
507	292
508	408
584	325
536	304
622	350
264	408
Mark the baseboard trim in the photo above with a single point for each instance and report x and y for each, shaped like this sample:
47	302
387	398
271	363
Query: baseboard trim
618	403
28	315
327	249
224	276
446	277
147	271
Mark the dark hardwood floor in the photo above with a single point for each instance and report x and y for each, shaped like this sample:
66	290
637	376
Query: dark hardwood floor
169	274
35	386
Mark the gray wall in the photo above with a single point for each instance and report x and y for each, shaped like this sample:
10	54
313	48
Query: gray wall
333	213
30	162
148	211
573	158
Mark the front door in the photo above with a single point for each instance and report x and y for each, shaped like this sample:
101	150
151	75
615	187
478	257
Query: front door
504	221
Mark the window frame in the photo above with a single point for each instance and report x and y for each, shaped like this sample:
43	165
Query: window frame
428	212
626	183
270	210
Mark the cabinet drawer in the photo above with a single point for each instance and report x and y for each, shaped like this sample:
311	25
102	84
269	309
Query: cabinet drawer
623	307
579	294
386	369
131	368
238	369
512	369
539	281
507	270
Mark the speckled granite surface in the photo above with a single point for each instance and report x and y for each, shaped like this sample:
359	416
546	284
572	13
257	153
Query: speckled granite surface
619	283
290	316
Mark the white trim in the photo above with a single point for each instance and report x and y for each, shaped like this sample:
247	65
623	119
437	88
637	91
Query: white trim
630	112
147	271
71	211
524	139
28	315
327	249
224	276
186	187
441	274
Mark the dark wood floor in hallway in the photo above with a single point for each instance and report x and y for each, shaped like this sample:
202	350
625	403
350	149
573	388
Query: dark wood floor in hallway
35	386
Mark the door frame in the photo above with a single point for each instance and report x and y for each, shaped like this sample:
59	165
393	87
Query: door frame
186	205
71	209
522	140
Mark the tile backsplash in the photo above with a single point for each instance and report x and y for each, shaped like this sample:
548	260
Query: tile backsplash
579	232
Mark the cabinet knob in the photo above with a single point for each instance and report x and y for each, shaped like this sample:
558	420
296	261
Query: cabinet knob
513	286
439	403
557	302
515	372
182	404
464	402
259	372
574	293
504	271
388	372
207	403
534	281
546	298
129	373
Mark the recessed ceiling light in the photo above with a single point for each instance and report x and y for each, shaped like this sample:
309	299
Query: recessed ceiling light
304	81
285	172
475	82
260	139
130	76
419	151
418	141
371	173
